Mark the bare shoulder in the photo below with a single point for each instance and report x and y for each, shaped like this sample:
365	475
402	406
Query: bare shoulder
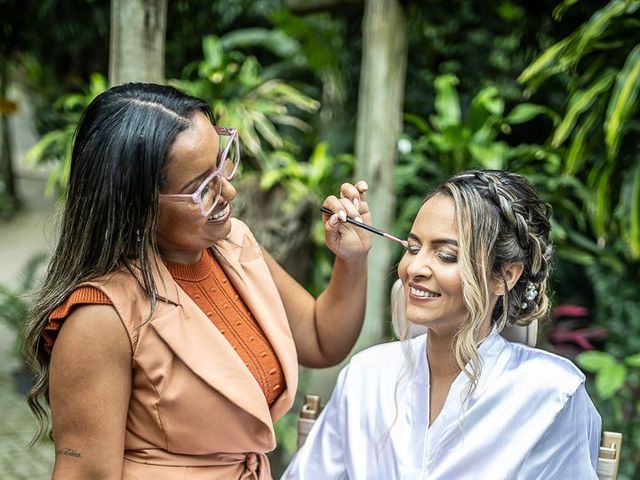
89	390
92	331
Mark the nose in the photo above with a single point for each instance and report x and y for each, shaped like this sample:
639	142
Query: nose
228	192
418	266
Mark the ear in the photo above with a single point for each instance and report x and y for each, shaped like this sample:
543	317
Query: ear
511	274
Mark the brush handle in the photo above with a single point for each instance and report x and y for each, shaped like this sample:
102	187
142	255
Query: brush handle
369	228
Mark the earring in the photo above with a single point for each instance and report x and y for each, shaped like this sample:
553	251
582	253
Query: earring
138	235
530	294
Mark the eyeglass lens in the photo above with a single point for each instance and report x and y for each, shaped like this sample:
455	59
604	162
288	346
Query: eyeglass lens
211	193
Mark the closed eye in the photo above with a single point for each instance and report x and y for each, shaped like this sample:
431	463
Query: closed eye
447	257
413	249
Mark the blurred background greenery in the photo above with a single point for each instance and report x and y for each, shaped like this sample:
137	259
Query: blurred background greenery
546	89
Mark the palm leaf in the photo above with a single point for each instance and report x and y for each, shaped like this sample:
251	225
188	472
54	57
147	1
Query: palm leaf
634	229
623	101
539	68
593	30
579	102
576	155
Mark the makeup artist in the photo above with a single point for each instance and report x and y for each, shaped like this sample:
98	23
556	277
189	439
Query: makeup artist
166	340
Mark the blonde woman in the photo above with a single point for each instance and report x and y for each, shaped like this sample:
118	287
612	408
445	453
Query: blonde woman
462	402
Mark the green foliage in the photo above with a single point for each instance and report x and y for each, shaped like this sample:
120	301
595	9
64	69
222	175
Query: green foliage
55	146
611	374
15	301
321	175
616	386
243	96
457	137
601	60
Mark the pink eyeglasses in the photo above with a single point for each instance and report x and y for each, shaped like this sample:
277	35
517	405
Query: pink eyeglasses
208	193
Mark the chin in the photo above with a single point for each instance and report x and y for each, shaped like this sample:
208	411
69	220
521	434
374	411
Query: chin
216	232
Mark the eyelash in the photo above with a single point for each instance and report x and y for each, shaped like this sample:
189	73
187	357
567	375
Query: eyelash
444	256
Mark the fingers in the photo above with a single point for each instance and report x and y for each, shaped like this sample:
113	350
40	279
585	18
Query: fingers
341	208
356	193
352	203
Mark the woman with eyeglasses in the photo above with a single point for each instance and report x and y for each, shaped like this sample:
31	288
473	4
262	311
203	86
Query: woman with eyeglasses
165	339
461	401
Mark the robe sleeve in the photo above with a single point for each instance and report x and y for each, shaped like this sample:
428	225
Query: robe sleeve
569	448
323	454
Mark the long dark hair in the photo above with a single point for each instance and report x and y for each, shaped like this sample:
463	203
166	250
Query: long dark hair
120	149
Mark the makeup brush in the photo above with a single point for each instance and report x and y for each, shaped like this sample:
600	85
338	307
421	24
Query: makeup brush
369	228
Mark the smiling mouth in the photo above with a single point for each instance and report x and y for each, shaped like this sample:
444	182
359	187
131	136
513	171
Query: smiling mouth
418	292
220	215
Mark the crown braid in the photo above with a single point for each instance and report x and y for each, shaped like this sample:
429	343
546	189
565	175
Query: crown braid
518	232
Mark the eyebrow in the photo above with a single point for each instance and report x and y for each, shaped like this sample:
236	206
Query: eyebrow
437	241
194	182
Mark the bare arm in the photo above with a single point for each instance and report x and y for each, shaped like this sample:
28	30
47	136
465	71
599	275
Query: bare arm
90	386
325	330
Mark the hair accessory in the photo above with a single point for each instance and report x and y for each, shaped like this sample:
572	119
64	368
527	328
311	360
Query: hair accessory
530	295
531	292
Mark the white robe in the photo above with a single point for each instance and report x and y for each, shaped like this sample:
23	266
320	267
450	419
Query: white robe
528	418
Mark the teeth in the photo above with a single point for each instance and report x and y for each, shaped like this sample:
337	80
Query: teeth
423	293
220	214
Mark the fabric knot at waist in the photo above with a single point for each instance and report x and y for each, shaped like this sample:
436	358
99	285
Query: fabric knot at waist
251	463
243	466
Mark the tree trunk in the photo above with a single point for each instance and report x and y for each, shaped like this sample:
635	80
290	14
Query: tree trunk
7	174
138	30
379	123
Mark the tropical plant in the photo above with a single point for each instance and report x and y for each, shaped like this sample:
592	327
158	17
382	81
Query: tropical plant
243	95
457	137
55	146
600	63
617	393
15	300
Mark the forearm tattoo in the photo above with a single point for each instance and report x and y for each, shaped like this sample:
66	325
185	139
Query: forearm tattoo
70	452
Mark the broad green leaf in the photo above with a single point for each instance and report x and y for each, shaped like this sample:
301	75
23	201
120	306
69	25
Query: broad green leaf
623	101
249	72
275	41
213	53
594	361
579	102
447	103
526	111
486	104
420	123
610	379
489	156
633	360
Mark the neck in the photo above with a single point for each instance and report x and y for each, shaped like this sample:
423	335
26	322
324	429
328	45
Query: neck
442	361
440	352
